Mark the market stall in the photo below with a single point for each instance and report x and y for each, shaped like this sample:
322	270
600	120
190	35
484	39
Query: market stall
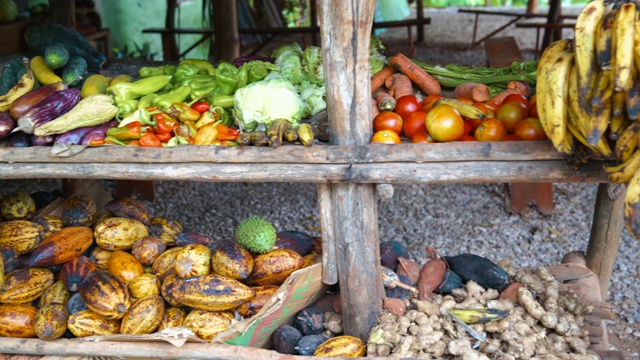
346	171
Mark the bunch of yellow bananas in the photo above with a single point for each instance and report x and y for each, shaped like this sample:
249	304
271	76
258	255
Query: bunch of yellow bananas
588	90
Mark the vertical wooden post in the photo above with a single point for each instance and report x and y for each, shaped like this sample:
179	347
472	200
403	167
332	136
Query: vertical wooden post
63	12
345	30
606	229
225	23
169	44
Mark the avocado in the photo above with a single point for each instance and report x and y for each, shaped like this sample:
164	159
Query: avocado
256	235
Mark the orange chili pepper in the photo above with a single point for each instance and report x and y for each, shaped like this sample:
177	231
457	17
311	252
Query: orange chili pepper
97	142
226	133
206	135
164	137
150	140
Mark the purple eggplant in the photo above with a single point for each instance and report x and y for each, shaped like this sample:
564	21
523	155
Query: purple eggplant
98	132
19	139
52	107
27	101
6	125
42	140
243	59
73	137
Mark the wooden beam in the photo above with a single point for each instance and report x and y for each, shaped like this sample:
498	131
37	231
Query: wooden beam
225	22
345	30
63	12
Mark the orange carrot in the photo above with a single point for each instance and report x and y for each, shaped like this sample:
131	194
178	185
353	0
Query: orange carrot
513	87
384	99
421	78
377	80
374	108
473	91
399	85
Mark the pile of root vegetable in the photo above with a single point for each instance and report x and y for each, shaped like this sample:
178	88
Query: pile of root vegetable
530	318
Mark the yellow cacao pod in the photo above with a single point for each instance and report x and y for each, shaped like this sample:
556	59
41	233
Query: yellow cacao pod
87	323
118	233
208	324
144	316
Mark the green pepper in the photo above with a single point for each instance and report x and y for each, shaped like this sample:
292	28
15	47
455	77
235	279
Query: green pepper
177	95
223	115
243	75
204	66
203	92
227	76
223	101
140	116
134	90
177	140
258	70
197	79
131	131
183	71
146	101
125	107
148	71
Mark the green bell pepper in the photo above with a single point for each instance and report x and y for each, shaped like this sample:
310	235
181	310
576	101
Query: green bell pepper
134	90
148	71
126	107
204	66
227	76
243	76
183	71
258	70
179	94
146	101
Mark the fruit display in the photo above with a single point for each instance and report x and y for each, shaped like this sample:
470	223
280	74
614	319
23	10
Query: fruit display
119	270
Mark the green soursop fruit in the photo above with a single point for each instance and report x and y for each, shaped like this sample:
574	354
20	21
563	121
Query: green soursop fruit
256	235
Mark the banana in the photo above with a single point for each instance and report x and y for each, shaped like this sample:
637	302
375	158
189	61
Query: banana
23	86
258	138
544	67
617	124
631	206
478	316
556	98
599	122
626	170
627	142
603	88
623	34
291	135
632	97
584	43
601	149
276	130
466	110
581	116
306	134
603	40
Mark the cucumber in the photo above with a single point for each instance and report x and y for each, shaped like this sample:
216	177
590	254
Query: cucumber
39	36
56	56
11	72
74	71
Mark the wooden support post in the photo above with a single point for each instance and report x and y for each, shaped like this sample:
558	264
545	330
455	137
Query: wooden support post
345	30
63	12
169	44
225	22
606	229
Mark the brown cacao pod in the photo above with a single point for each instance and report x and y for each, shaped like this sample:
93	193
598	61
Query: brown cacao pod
169	283
299	241
75	270
9	258
253	305
100	258
163	265
147	249
341	346
193	260
118	233
88	323
189	236
274	267
144	316
21	235
208	324
105	294
173	316
17	206
209	292
311	258
144	285
50	322
124	266
67	244
55	294
25	285
166	229
50	224
129	208
79	210
16	320
232	260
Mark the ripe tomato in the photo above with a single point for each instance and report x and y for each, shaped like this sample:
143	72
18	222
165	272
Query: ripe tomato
386	137
512	137
530	129
200	106
486	109
422	137
492	105
467	137
510	113
517	98
533	106
490	130
444	123
427	103
414	123
388	120
406	105
469	126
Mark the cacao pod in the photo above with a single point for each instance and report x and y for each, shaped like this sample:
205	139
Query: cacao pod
144	316
16	320
124	266
105	294
25	285
209	292
21	235
232	260
193	260
165	229
88	323
118	233
79	210
67	244
274	267
208	324
129	208
50	322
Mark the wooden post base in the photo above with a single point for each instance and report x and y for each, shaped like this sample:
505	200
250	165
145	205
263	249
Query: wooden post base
126	188
519	195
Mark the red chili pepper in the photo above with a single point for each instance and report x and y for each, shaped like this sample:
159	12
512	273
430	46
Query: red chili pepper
164	137
150	140
200	106
130	131
226	133
165	124
133	143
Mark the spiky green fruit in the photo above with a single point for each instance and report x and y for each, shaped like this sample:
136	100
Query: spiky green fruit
256	235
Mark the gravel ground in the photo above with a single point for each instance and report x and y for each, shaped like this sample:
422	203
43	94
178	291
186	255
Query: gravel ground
452	218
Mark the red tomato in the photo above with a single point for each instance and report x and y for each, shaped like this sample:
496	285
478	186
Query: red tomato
510	113
386	137
414	123
444	123
490	130
486	109
387	120
492	105
517	98
422	137
407	105
530	129
467	137
533	107
200	106
468	126
427	103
